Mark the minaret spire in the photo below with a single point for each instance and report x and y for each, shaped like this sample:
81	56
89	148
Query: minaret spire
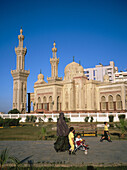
20	52
54	50
21	38
54	61
20	77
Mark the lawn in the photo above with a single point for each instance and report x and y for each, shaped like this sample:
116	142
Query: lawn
32	131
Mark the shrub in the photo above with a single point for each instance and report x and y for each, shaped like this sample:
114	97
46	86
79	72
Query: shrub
67	119
111	118
9	122
43	133
121	117
27	119
86	119
40	119
122	125
14	111
91	120
50	119
33	118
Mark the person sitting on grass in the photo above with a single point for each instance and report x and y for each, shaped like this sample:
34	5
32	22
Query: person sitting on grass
71	141
106	135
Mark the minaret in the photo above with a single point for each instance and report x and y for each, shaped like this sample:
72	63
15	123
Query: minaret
54	61
20	77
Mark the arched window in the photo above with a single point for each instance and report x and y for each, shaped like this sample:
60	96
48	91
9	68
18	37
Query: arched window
118	102
39	103
110	103
44	99
58	103
50	103
103	103
44	103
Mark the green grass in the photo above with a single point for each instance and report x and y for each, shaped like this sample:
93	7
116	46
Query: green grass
24	133
29	131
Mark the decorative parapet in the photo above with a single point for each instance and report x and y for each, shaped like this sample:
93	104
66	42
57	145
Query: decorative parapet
20	71
54	78
20	51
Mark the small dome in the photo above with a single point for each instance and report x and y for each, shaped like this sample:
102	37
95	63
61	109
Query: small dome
40	76
72	70
54	49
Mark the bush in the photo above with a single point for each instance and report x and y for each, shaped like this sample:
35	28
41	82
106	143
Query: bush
40	119
122	125
50	119
67	119
121	117
111	118
14	111
91	120
86	119
27	119
9	122
43	133
31	118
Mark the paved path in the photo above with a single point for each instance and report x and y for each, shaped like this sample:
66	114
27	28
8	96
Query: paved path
43	151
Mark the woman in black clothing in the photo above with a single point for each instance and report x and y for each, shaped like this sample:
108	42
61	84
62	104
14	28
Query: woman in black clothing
62	142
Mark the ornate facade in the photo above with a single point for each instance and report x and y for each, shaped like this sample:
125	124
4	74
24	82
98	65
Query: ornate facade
75	93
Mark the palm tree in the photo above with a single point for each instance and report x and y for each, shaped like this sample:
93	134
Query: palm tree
4	156
18	162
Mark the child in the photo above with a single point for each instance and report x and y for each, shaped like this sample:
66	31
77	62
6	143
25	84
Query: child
106	134
80	143
71	141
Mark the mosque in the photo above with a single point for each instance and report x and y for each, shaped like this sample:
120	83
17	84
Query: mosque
73	93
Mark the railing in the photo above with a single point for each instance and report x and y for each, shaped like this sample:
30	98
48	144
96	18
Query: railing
74	117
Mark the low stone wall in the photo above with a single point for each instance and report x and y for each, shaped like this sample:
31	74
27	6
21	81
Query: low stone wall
74	117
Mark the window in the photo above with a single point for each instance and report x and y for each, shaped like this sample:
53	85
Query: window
110	102
118	102
86	72
93	72
103	103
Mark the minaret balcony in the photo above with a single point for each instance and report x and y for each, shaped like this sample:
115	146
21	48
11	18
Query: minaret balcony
51	79
20	51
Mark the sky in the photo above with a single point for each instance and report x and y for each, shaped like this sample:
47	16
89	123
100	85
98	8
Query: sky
94	31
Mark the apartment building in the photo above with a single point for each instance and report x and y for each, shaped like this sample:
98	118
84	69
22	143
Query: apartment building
98	72
120	77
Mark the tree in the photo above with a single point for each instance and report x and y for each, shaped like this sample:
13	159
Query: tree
14	111
4	156
121	116
111	118
43	132
122	125
86	119
91	120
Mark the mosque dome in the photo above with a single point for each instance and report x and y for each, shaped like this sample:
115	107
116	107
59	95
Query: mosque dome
73	70
40	76
40	79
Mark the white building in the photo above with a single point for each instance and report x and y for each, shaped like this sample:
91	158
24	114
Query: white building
120	77
98	72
